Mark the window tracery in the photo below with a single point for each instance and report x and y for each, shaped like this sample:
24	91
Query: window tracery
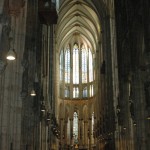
76	70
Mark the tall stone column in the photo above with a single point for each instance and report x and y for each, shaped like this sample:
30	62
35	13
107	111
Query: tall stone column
90	133
71	131
61	132
2	19
125	113
11	101
65	131
43	133
146	17
85	133
139	98
80	131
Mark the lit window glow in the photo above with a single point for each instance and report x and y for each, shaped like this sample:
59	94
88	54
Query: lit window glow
84	65
75	92
75	127
61	65
76	72
75	65
90	67
67	66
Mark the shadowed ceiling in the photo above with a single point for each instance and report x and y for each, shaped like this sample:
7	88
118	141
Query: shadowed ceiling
77	22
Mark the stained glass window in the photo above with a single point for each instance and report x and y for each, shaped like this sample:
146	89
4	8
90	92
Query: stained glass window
75	127
76	70
92	122
90	66
75	92
67	66
61	65
85	92
66	92
91	91
68	130
75	64
84	65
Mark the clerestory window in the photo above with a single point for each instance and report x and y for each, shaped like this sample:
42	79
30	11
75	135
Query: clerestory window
76	72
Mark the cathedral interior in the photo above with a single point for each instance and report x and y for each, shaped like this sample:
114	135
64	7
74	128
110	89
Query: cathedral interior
74	75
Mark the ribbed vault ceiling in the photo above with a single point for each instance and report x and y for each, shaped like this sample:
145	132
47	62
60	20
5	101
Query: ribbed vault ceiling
77	21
